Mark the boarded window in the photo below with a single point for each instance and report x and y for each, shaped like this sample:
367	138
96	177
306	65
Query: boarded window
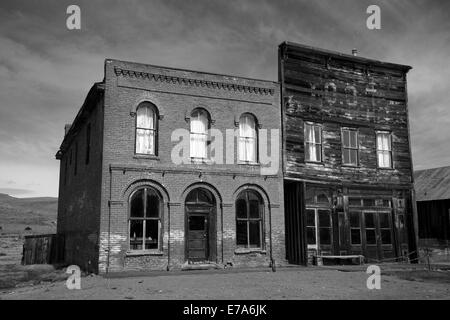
384	149
313	142
145	220
350	147
249	220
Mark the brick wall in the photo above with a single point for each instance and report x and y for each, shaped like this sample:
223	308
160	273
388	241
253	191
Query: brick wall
79	195
176	95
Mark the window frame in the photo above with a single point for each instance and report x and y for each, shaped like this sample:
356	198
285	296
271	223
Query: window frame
255	140
318	227
306	143
390	152
144	218
155	129
248	220
344	148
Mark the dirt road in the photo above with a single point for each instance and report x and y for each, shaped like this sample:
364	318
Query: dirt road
298	283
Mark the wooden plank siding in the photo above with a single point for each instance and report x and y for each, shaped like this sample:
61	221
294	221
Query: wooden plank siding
380	104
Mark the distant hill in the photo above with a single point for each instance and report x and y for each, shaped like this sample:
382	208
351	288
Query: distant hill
16	214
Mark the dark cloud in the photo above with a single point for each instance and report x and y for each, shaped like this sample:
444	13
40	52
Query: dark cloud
46	70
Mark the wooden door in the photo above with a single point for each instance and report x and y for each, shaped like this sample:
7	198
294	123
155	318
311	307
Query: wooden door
197	237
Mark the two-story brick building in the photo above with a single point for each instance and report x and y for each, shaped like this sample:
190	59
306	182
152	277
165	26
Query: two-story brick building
167	168
132	198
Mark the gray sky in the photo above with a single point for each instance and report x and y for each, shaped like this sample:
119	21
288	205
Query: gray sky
47	70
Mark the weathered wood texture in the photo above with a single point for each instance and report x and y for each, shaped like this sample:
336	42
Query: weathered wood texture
308	80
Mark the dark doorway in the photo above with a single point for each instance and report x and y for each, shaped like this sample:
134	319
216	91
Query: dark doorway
200	226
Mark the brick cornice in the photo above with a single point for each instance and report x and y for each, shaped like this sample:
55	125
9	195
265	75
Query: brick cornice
193	82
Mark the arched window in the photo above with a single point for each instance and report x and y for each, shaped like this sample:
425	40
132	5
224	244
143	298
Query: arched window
249	220
145	220
248	139
146	129
199	134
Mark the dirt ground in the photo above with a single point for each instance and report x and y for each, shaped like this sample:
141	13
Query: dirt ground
286	283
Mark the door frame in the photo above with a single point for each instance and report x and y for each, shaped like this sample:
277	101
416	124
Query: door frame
209	213
380	247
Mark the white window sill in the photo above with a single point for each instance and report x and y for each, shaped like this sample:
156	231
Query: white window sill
135	253
145	156
249	163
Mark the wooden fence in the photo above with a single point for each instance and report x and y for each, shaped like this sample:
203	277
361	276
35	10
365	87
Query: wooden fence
43	249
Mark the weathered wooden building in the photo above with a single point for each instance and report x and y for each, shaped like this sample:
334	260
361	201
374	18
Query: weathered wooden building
347	159
433	206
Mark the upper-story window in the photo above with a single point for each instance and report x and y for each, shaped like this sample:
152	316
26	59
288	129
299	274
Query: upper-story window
384	149
350	147
313	142
199	134
248	139
146	129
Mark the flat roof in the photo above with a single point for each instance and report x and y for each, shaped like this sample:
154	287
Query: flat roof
345	56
